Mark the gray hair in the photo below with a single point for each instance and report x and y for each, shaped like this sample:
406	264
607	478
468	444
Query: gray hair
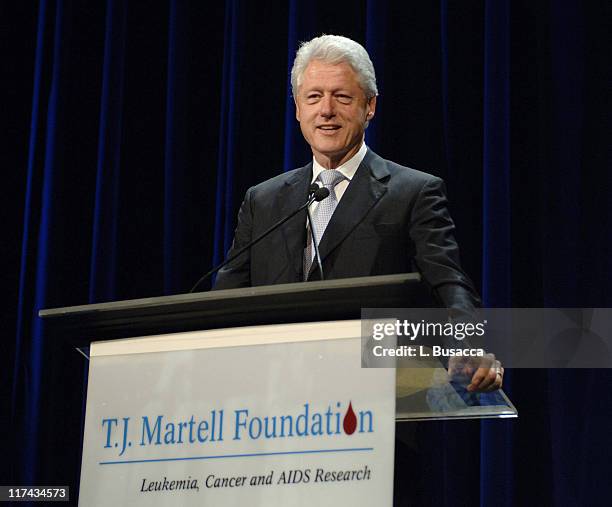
335	49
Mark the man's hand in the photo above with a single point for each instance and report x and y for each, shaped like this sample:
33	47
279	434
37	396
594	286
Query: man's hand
484	374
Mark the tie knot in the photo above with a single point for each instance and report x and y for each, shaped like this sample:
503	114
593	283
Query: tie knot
330	178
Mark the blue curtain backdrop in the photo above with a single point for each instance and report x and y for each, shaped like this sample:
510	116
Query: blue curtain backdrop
133	129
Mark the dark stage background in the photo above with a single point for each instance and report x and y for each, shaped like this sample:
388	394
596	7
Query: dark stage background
132	129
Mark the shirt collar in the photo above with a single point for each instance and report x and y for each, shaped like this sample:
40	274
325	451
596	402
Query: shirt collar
348	169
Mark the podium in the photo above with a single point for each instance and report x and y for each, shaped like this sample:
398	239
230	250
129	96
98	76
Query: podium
250	395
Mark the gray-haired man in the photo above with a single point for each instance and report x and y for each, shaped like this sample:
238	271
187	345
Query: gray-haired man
381	218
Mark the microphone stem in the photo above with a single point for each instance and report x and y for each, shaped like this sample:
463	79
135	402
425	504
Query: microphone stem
315	244
254	242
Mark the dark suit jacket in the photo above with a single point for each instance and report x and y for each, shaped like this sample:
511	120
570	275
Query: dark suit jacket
391	219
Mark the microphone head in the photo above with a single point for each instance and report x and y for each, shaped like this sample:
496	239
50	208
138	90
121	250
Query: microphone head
313	188
321	193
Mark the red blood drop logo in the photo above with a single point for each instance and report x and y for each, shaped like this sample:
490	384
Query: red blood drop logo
350	420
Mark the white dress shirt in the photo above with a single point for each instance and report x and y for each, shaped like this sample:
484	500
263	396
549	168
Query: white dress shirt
348	169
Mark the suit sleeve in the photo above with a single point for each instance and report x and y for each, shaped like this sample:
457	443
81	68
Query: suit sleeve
437	253
238	272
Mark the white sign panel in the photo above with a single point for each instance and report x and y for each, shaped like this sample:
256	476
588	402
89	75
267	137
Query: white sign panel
266	415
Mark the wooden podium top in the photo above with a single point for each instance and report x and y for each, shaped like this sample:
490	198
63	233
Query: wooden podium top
272	304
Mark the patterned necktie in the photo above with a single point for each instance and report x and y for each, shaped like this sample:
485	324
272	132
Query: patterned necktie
322	214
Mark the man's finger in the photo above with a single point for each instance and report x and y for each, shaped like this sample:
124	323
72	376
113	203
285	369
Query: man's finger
499	380
487	379
478	379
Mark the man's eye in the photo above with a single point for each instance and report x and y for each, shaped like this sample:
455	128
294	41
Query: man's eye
312	97
344	99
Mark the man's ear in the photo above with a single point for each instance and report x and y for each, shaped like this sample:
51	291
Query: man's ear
371	107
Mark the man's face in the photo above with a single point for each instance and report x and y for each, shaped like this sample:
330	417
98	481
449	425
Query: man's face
332	110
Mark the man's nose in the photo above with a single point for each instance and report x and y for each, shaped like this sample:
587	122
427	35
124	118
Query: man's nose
327	107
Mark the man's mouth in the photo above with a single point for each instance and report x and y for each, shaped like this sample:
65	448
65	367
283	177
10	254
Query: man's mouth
329	127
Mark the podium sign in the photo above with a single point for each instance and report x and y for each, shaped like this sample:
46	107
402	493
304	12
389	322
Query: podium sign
266	415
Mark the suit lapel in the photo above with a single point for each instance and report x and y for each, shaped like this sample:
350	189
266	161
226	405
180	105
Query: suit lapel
364	191
293	195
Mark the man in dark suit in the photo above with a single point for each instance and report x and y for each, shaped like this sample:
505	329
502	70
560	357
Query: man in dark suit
380	217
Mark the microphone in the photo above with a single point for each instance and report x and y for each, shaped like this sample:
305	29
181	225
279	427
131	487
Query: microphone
320	194
317	194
